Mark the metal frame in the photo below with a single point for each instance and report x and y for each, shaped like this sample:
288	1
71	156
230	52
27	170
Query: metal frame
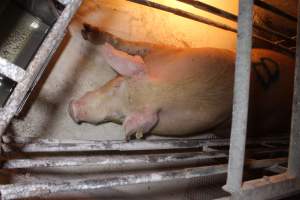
267	187
27	79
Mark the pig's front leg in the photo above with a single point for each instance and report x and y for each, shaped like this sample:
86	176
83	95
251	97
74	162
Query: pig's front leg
96	36
139	123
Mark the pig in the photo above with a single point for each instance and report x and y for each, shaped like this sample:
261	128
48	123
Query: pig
165	90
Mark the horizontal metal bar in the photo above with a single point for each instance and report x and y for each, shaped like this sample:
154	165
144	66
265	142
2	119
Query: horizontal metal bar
184	14
110	160
46	145
19	190
275	44
216	24
11	70
232	17
254	164
210	9
277	186
23	190
275	10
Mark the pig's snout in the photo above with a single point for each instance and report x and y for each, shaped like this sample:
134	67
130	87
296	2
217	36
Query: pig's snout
73	111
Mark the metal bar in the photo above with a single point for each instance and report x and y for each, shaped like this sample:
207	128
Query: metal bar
23	190
118	160
114	145
294	152
184	14
208	22
256	164
232	17
275	10
14	191
65	2
39	61
275	44
277	186
11	70
241	98
211	9
45	145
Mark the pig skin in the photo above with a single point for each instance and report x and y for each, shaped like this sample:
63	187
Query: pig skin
175	92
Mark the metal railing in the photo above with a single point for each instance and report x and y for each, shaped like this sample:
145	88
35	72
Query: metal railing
197	149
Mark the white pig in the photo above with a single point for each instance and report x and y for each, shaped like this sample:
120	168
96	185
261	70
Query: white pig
163	90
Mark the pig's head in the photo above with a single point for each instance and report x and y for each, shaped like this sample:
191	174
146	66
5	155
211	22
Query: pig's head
109	101
100	105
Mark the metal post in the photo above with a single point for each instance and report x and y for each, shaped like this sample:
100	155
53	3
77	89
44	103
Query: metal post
241	97
294	152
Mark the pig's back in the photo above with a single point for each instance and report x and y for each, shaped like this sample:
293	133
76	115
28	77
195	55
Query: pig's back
271	92
192	88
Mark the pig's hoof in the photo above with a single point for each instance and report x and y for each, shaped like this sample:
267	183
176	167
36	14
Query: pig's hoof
139	135
72	112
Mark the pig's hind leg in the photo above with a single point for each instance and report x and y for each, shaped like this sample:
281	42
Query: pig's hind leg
139	123
96	36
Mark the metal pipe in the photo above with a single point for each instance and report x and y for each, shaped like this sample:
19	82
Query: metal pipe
241	98
294	152
118	160
216	24
232	17
14	191
46	145
184	14
211	9
275	10
24	190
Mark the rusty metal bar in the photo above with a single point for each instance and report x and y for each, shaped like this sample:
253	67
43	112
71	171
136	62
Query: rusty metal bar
241	98
294	152
214	23
184	14
232	17
273	187
23	190
211	9
275	10
37	65
20	190
48	145
118	160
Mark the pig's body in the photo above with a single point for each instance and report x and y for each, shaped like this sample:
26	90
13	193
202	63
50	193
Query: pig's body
188	98
169	91
270	99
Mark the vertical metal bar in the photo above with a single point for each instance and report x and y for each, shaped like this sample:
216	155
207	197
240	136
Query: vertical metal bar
294	151
241	97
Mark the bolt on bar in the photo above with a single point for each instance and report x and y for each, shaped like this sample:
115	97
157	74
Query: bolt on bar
294	151
241	97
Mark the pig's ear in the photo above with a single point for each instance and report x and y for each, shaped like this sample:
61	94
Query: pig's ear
122	62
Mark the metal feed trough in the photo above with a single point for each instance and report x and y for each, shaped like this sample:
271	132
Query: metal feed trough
191	150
